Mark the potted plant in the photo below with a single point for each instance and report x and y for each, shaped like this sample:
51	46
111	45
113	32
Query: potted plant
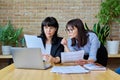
101	31
109	13
9	36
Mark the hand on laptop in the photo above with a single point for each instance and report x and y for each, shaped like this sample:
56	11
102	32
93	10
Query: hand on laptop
51	59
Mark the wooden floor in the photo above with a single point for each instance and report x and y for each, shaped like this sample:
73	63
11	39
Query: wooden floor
113	63
3	63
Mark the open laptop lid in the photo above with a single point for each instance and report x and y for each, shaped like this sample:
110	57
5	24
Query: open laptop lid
28	58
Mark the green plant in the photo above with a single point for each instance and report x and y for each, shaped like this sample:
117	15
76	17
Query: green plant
101	31
109	12
9	35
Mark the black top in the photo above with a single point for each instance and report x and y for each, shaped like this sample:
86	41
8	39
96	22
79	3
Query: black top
57	48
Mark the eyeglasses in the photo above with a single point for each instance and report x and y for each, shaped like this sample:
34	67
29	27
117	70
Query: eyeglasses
69	30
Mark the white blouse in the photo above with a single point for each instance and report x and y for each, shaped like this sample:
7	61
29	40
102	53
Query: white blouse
47	49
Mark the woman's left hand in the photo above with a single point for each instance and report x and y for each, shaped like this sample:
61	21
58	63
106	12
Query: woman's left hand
82	62
49	58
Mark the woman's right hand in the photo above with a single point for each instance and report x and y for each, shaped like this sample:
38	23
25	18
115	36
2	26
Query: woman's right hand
64	42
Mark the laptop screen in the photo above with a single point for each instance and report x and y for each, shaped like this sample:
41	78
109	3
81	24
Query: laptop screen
28	58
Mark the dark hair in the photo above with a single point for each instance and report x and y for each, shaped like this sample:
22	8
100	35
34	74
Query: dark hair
82	33
51	22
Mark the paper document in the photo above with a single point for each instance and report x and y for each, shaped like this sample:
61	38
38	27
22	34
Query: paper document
93	66
72	56
69	69
33	41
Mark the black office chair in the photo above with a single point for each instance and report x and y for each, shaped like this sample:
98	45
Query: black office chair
102	56
10	61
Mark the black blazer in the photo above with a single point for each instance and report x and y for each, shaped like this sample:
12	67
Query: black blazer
57	48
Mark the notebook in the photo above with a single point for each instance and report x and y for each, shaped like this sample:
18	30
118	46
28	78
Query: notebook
30	58
94	67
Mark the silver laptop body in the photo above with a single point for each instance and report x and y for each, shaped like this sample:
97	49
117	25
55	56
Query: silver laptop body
28	58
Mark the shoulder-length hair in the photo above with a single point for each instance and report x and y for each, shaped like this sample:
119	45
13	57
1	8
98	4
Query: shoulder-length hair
82	36
51	22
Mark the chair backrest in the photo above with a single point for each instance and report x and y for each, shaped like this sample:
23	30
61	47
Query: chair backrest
102	55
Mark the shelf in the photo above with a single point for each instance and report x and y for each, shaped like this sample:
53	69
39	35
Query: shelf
5	56
114	55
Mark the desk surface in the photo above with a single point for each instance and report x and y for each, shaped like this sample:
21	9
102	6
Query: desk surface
9	56
10	73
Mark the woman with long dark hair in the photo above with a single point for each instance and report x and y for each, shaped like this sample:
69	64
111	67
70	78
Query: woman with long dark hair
51	42
81	39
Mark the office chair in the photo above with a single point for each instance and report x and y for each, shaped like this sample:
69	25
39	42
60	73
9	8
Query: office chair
102	56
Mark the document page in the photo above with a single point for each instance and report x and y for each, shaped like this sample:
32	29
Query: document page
69	69
32	41
72	56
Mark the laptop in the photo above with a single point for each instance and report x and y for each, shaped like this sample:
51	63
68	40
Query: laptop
28	58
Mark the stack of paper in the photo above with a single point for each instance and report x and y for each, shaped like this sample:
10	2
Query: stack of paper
69	69
72	56
33	41
94	67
